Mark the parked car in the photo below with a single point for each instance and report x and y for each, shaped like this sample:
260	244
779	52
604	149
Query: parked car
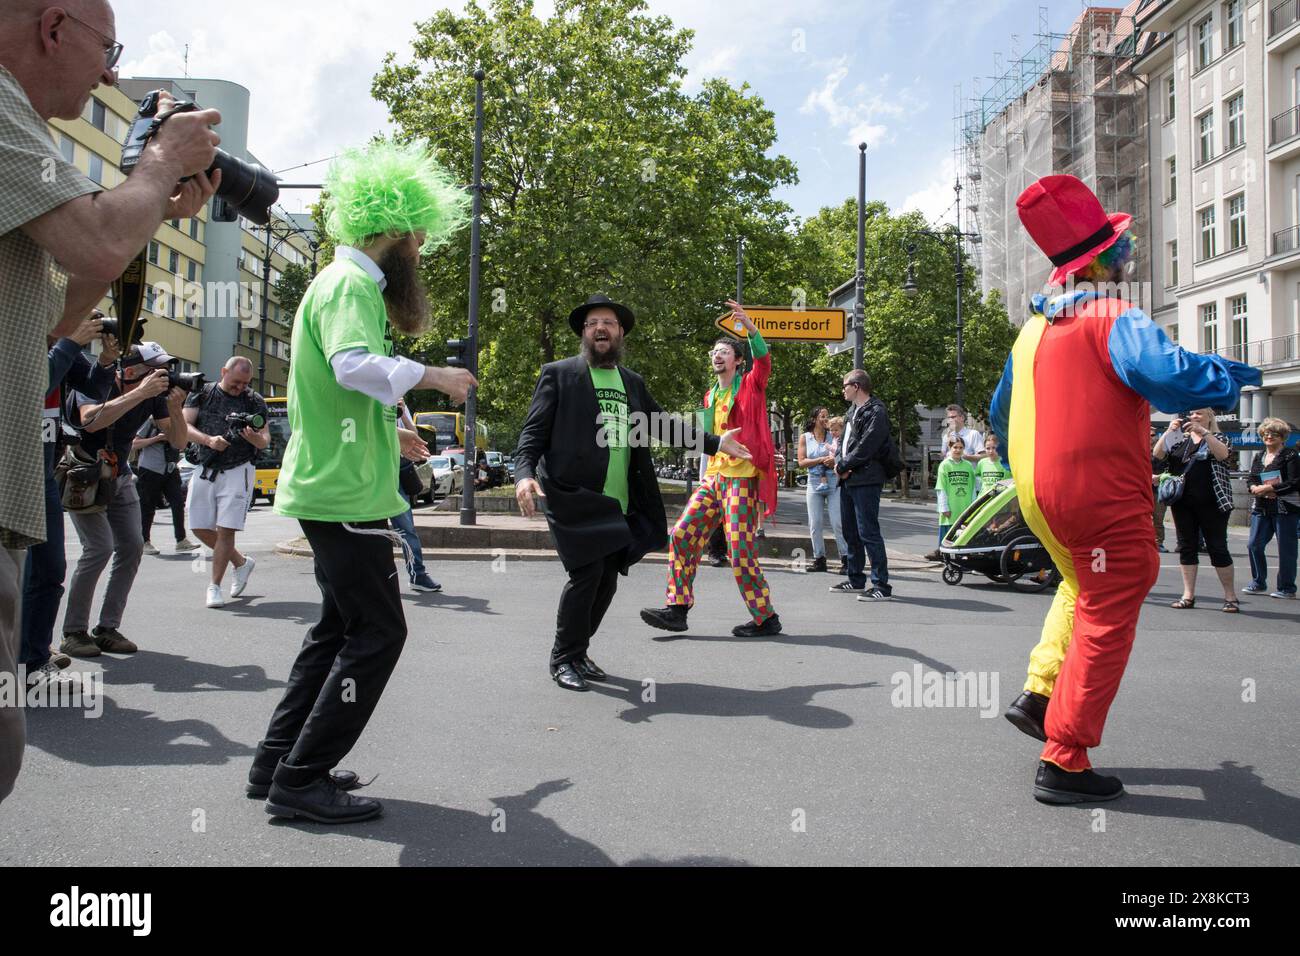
497	473
447	477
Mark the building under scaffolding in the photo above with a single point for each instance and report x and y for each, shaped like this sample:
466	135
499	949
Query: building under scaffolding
1069	105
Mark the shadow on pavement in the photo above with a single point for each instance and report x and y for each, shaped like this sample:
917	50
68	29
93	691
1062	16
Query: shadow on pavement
124	737
840	642
788	705
514	833
1231	794
177	674
305	613
449	602
960	604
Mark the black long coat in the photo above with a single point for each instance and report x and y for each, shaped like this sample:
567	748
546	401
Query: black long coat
559	447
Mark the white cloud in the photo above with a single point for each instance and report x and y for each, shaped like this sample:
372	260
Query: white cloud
862	110
935	200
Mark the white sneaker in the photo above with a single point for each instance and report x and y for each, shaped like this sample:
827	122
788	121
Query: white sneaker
215	597
185	544
149	548
242	574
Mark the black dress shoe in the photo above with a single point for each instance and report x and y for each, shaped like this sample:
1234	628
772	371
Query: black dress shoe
818	564
771	625
670	618
588	669
259	781
1028	712
568	677
1056	786
320	801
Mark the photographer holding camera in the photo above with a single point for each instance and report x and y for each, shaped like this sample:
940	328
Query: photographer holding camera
63	240
107	430
227	420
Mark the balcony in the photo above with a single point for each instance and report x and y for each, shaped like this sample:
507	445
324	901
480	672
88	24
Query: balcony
1281	352
1284	126
1286	240
1282	16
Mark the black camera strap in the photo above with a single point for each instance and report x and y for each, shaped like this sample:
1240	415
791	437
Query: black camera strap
128	298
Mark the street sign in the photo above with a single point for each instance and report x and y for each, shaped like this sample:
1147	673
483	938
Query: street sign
843	297
788	325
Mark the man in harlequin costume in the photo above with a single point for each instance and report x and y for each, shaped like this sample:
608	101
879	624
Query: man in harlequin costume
1088	355
734	491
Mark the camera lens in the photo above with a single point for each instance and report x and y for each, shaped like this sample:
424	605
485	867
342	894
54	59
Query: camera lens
251	190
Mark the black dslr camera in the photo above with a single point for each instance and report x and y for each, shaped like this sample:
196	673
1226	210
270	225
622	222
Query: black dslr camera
236	422
248	190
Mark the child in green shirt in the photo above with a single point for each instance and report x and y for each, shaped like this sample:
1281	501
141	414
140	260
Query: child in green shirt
955	486
992	469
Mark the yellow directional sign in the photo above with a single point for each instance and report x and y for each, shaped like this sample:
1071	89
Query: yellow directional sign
789	325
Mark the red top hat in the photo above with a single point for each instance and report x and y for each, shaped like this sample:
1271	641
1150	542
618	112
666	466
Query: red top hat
1067	222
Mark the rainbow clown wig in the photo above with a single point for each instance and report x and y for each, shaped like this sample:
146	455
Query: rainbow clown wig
390	189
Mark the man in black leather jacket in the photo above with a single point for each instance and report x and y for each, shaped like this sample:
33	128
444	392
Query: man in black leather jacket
862	475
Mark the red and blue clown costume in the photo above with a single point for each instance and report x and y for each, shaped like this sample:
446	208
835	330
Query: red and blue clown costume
1087	496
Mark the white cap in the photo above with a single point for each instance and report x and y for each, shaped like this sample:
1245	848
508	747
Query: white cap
150	353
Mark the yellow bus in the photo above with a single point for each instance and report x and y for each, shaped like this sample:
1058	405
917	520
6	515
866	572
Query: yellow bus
448	430
268	460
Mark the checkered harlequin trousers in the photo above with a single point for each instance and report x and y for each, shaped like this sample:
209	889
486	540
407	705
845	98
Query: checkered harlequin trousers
734	502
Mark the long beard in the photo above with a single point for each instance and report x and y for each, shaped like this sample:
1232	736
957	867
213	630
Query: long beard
609	359
405	296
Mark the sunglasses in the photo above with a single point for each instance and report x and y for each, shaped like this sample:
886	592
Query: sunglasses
112	49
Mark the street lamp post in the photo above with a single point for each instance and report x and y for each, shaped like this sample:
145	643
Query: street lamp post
860	277
957	246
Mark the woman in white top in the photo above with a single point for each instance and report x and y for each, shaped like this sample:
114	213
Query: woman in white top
817	451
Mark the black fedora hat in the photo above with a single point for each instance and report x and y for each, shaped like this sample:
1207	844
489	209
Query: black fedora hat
579	315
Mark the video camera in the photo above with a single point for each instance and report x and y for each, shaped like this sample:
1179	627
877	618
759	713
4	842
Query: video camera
249	190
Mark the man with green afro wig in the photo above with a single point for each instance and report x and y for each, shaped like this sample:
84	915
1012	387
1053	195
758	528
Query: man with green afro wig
386	203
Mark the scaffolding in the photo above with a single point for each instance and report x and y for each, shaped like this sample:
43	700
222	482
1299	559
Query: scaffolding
1070	105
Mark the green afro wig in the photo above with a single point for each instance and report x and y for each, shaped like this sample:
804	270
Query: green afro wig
391	189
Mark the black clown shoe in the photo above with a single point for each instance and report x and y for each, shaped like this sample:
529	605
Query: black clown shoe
1028	713
1056	786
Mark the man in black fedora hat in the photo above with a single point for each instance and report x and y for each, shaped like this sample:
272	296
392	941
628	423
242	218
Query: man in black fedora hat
585	448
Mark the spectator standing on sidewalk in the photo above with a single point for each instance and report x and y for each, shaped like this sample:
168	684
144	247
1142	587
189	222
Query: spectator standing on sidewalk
1274	485
992	468
955	489
817	448
862	477
158	473
413	449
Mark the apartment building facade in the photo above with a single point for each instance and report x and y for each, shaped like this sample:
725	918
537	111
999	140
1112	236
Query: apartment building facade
1223	102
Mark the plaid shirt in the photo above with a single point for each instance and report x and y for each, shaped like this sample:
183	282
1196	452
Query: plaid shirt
34	179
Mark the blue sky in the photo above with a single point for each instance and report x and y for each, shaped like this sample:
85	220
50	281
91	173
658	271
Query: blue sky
834	73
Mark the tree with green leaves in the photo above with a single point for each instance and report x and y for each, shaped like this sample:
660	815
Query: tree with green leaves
291	286
602	174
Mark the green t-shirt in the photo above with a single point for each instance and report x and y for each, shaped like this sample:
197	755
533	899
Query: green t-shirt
612	399
342	457
991	471
956	486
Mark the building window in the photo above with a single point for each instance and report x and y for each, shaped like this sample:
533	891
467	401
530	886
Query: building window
174	262
1235	132
1169	98
1237	221
192	271
1172	332
1205	129
98	115
1173	264
1208	246
96	169
176	223
153	251
1204	32
194	228
67	148
1210	327
250	338
1171	187
1233	36
148	297
1238	326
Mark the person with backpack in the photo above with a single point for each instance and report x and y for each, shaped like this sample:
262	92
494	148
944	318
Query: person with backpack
863	463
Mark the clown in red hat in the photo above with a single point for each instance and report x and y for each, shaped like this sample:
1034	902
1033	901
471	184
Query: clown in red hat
1088	497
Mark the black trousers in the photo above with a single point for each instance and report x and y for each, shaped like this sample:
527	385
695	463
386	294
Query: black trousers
1197	517
150	484
346	659
583	604
718	544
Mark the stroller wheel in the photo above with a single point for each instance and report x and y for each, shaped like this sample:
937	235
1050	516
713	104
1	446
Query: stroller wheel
1025	566
951	574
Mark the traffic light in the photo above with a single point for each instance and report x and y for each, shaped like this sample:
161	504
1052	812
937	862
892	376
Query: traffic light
461	354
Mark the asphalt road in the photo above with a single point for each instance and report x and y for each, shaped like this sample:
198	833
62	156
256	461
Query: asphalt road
780	751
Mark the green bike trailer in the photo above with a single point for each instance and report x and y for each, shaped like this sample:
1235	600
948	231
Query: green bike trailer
991	538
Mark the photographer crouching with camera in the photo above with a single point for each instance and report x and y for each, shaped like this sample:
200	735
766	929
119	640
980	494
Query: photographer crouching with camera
107	518
227	420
